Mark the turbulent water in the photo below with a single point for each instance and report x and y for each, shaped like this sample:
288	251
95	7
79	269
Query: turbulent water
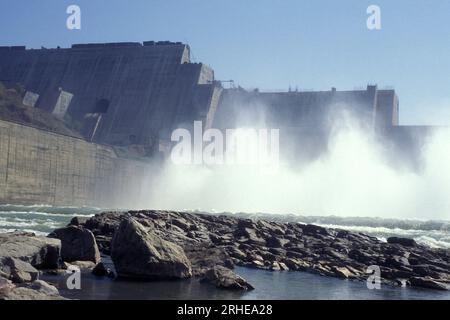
269	285
44	219
39	219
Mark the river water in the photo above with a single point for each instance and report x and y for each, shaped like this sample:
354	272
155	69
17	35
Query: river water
269	285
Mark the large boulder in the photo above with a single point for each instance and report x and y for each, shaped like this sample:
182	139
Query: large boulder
17	271
40	252
225	278
77	244
140	253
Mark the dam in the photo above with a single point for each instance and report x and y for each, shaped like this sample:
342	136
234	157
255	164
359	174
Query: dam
123	101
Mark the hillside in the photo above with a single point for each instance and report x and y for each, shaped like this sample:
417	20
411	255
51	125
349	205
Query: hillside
12	109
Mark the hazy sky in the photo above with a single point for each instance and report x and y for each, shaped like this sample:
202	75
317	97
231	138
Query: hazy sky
271	44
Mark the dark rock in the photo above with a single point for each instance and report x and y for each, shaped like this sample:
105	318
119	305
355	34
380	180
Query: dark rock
211	240
312	229
237	253
402	282
40	252
104	244
220	240
250	236
342	234
78	221
272	227
246	223
183	225
396	262
225	278
268	255
105	224
361	256
101	270
78	244
277	251
140	253
428	283
294	254
203	258
402	241
423	270
276	242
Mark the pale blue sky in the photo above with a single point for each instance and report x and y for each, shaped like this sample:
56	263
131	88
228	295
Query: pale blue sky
271	44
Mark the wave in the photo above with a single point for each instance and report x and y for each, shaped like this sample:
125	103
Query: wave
373	222
46	209
3	212
40	219
15	222
434	239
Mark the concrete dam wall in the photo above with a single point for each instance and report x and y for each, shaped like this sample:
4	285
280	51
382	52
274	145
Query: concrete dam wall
39	167
116	93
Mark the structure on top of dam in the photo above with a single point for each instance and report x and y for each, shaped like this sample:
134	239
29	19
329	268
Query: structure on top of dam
291	109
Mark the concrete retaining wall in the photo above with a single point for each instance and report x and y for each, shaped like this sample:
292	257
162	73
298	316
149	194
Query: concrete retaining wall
39	167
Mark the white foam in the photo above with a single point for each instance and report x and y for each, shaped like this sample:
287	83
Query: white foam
431	238
47	214
38	233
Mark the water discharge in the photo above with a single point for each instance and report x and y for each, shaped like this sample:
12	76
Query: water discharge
353	178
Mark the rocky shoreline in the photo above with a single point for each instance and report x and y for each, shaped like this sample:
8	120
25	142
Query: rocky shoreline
161	245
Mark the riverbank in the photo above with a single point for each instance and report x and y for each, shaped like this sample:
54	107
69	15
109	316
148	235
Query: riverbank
201	251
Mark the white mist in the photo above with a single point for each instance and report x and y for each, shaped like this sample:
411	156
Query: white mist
353	178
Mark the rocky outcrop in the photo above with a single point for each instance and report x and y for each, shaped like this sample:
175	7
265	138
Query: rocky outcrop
428	282
17	271
37	290
40	252
77	244
21	254
211	240
225	278
140	253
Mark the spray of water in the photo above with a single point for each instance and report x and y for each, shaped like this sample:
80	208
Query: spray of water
352	178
